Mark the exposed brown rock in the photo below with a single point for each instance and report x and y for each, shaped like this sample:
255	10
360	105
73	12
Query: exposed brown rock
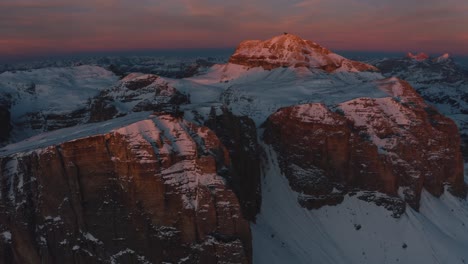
419	56
291	51
321	155
146	192
395	145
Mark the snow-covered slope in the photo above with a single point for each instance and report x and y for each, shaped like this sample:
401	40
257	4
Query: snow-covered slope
355	231
53	90
68	134
258	93
146	192
38	98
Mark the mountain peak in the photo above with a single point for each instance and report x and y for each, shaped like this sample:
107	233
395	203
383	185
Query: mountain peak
444	57
288	39
418	57
289	50
424	57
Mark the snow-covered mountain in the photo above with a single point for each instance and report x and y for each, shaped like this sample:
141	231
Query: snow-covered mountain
52	98
328	159
168	64
440	81
290	50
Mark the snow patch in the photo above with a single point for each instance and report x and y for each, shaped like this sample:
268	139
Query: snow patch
6	236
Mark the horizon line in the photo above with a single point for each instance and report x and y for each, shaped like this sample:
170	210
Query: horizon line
12	59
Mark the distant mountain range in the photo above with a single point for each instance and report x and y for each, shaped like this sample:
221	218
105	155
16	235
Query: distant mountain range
173	64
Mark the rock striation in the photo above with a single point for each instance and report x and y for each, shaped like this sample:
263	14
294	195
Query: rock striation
397	145
150	192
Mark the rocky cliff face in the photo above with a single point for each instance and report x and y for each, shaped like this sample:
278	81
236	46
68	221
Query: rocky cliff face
396	145
5	125
239	135
151	192
289	50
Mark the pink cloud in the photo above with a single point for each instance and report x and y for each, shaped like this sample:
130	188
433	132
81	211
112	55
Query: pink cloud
35	26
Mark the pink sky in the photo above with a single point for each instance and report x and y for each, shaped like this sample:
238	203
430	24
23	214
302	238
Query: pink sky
29	27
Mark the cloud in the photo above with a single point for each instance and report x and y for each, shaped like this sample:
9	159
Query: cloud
66	25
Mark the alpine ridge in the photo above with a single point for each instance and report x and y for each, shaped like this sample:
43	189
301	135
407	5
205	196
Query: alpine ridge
441	81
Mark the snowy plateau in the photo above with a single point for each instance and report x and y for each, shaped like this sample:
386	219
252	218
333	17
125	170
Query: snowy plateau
283	153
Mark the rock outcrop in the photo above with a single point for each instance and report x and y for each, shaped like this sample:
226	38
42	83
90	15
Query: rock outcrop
396	145
50	98
239	135
135	93
418	57
40	121
150	192
291	51
440	81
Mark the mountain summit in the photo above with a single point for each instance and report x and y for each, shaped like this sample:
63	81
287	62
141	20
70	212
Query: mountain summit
418	57
444	57
290	50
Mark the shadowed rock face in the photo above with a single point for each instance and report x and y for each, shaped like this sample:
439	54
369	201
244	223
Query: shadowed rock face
150	192
239	135
4	124
394	145
289	50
